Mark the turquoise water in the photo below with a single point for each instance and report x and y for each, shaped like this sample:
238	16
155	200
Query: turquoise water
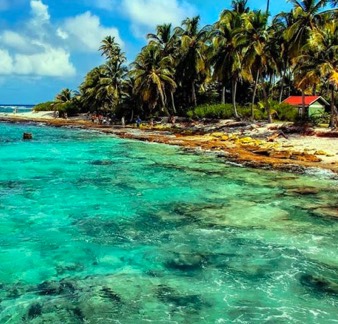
96	229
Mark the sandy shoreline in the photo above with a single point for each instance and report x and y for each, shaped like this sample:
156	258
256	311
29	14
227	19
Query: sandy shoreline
246	145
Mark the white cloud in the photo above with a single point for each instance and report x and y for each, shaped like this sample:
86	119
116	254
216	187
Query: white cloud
145	14
15	41
51	62
61	33
87	32
6	62
39	11
34	50
43	48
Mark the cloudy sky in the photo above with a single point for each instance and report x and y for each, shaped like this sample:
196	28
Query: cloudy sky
47	45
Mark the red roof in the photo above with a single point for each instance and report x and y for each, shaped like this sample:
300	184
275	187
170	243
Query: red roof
298	100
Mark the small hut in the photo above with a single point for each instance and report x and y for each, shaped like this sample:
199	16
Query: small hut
313	104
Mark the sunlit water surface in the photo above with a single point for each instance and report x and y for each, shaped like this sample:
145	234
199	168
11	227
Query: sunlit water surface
96	229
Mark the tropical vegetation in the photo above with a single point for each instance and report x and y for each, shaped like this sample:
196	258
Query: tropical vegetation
241	66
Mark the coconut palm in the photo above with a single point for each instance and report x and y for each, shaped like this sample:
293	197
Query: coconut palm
257	56
306	14
111	50
227	52
192	66
153	74
319	62
166	42
164	38
65	95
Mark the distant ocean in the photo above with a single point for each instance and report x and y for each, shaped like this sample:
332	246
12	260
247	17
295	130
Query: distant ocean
20	108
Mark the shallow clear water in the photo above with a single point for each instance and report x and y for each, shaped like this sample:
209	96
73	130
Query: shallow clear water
96	229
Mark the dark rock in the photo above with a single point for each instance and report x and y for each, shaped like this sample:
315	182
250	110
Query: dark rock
304	191
27	136
101	162
56	288
49	288
170	296
78	314
34	310
67	287
319	284
186	262
110	294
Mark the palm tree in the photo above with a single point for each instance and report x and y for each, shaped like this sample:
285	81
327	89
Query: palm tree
227	51
65	95
319	62
164	38
153	74
257	57
166	42
306	14
192	66
267	7
111	50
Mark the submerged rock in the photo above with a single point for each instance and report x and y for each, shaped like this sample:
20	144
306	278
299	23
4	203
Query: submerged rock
101	162
303	191
56	287
319	284
34	310
186	262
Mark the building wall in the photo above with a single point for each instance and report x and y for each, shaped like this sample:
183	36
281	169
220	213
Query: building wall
316	108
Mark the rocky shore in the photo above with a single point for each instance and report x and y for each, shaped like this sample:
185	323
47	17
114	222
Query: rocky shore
259	145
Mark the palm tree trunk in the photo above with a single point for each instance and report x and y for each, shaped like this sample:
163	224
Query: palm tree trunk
267	106
223	95
267	7
234	93
282	87
254	96
193	94
334	112
173	102
303	104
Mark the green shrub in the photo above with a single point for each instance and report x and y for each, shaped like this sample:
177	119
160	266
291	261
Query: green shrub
319	118
68	107
284	111
245	112
216	111
44	106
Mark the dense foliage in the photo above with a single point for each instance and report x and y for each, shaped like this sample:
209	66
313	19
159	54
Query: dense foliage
246	60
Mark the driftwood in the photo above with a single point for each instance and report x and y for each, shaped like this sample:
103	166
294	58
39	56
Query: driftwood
276	135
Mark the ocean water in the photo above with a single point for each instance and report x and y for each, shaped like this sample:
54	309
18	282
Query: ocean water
19	108
96	229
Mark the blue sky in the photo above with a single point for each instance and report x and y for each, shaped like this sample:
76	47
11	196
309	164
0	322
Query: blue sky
47	45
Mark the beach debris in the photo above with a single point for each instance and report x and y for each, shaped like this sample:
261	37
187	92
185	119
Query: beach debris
276	135
27	136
